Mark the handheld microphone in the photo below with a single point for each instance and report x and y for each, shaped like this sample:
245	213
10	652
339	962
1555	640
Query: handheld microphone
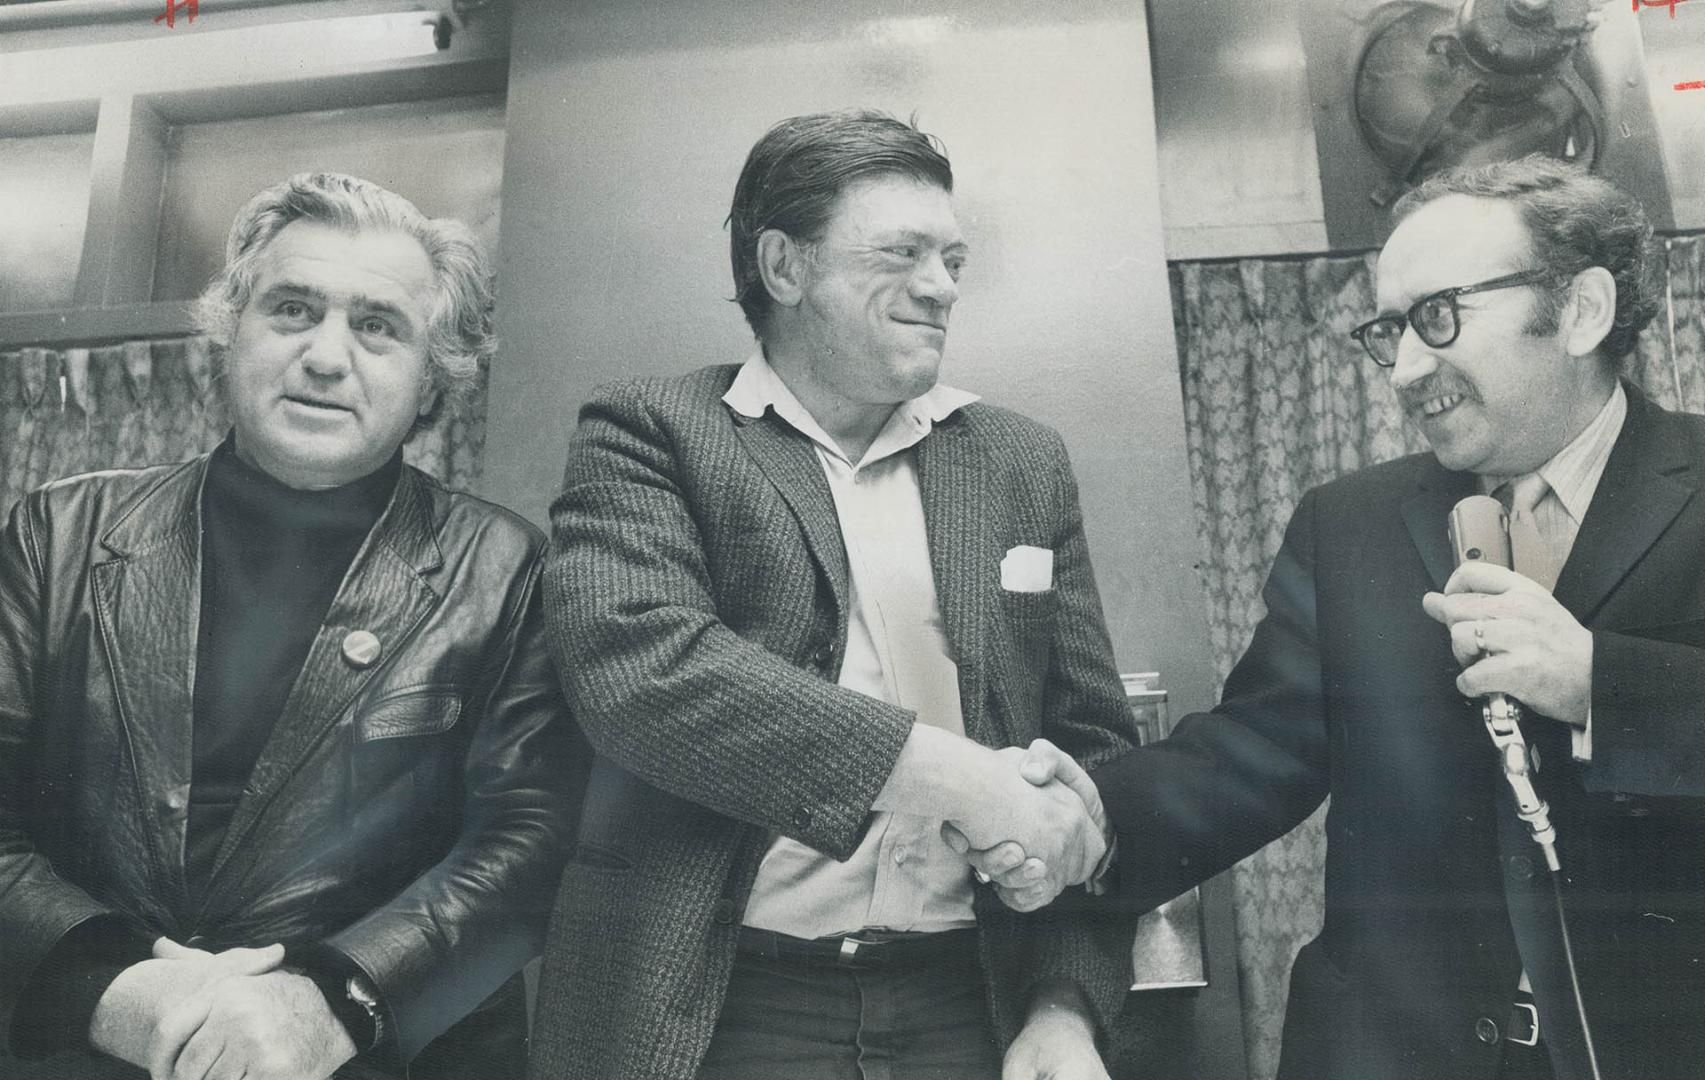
1479	532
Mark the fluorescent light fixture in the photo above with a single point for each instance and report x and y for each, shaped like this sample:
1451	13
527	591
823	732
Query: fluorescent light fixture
159	59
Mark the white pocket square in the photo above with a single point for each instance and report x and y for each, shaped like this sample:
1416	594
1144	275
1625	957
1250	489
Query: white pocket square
1027	569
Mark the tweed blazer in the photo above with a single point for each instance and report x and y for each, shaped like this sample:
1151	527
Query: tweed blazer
696	594
1348	688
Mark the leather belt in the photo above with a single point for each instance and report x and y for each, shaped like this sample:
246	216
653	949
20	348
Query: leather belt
869	950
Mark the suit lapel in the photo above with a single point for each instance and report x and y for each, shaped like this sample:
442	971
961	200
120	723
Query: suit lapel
953	481
1646	482
384	593
788	460
1427	511
148	603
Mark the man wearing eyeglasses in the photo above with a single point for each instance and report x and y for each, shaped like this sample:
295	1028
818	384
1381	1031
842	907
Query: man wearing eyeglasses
1509	295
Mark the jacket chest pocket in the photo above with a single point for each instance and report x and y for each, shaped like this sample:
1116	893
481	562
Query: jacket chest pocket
1030	608
404	772
1028	619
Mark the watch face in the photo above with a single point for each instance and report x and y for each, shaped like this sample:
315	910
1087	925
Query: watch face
362	992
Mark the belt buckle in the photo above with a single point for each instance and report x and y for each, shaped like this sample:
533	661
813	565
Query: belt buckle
848	956
1533	1012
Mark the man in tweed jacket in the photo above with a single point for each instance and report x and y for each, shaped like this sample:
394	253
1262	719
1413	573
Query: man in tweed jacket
795	604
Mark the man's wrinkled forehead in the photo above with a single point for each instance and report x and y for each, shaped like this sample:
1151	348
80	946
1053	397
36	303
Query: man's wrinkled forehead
374	266
892	202
1454	240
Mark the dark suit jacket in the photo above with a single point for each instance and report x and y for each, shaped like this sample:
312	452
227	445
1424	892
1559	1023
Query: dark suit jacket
411	814
697	600
1347	688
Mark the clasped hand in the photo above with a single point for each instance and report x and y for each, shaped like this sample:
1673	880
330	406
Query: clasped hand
188	1014
1512	637
1043	828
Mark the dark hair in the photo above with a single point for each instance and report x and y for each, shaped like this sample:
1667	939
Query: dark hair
1574	220
797	171
459	329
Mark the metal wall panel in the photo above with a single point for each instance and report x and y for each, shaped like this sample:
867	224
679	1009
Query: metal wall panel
1237	159
1674	46
446	155
45	179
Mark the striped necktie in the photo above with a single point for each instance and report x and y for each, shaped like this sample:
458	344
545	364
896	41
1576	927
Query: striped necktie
1533	558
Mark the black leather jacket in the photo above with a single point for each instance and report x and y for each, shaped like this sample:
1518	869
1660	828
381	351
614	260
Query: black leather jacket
412	813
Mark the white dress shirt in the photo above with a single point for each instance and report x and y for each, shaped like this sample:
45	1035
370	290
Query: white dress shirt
902	876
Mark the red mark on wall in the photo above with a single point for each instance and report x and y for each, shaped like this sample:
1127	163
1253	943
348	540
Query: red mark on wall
188	8
1670	4
1691	84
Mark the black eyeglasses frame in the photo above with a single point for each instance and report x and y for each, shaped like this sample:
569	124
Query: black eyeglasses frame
1407	319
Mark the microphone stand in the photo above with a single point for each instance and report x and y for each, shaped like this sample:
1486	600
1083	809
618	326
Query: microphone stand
1503	722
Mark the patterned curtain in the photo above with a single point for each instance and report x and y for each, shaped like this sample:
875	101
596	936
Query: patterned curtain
1278	399
1669	361
66	411
453	447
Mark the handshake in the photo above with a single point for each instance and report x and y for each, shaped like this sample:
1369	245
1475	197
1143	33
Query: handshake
1030	821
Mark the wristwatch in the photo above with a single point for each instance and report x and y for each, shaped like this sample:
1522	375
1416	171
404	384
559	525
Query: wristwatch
361	990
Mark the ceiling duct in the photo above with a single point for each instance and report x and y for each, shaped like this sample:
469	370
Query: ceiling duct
1404	89
1492	81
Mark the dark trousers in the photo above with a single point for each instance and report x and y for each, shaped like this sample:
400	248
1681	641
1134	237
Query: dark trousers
1525	1063
792	1019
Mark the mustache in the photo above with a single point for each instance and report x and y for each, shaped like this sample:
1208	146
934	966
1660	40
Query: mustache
1412	396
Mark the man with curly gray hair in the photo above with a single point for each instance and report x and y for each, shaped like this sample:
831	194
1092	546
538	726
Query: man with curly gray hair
285	772
458	337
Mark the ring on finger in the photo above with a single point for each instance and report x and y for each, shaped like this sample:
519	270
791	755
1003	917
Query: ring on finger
1480	634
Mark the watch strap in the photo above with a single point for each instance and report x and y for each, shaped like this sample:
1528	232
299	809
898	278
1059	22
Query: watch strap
331	972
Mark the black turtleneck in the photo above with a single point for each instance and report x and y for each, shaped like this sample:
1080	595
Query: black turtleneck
272	558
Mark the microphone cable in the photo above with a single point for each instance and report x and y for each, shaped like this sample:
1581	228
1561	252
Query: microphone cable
1574	976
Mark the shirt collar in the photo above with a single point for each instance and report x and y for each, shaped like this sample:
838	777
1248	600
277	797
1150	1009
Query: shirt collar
757	387
1573	473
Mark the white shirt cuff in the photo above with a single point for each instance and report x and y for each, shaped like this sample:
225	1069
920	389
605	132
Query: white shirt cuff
1581	739
1096	885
